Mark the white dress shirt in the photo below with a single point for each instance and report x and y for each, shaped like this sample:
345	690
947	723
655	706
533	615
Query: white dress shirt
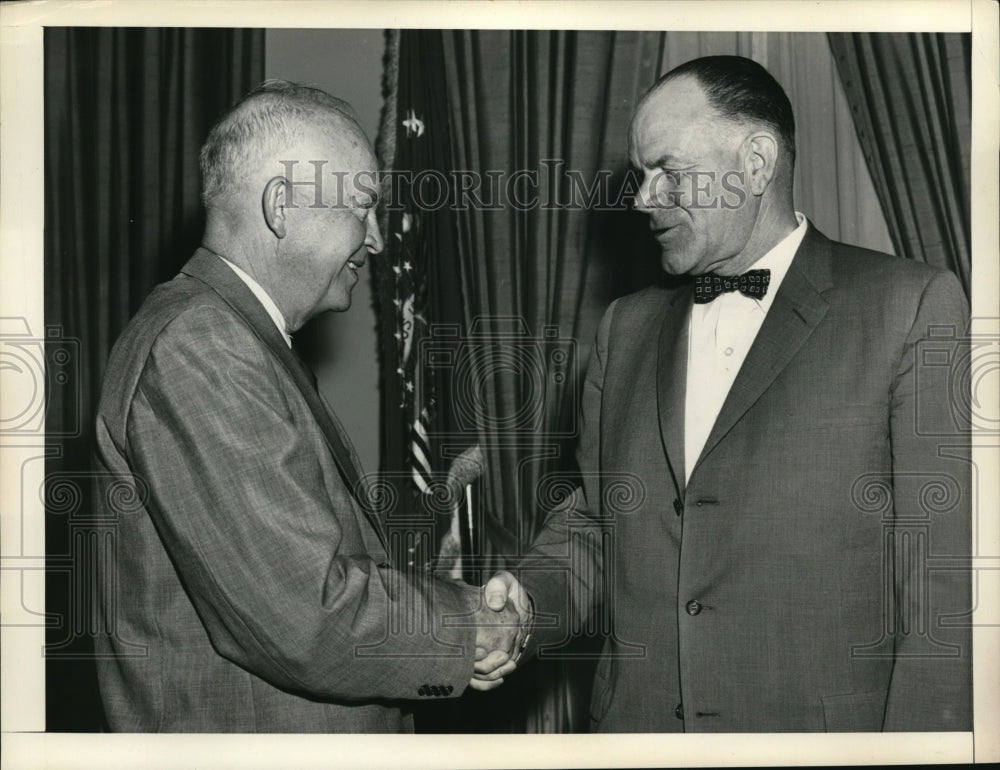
719	337
265	300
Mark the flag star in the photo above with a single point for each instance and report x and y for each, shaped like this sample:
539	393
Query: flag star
398	336
407	266
409	387
396	302
396	270
400	371
413	124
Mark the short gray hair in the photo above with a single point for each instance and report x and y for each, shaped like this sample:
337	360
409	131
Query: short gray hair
272	116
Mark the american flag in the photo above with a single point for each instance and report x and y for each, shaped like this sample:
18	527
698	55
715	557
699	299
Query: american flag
410	302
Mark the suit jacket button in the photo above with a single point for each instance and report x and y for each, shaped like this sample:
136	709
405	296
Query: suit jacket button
679	711
678	507
693	607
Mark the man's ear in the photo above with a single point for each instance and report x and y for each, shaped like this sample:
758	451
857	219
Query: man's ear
273	202
761	158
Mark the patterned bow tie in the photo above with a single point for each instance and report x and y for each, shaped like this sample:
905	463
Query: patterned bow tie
752	283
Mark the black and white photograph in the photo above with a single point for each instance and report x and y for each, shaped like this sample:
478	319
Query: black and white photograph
500	384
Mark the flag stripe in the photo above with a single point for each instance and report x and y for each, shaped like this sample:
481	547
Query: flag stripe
419	453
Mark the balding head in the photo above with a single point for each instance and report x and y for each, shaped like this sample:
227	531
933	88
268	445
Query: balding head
263	127
740	91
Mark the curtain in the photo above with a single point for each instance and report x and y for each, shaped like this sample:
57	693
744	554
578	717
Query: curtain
910	95
535	279
126	111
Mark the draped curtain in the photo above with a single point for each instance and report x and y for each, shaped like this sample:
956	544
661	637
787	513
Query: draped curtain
126	111
518	102
911	99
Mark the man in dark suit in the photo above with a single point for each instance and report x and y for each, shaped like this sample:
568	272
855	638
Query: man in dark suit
250	589
794	554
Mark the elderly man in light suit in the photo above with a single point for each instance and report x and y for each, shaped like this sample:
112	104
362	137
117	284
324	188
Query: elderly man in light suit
253	592
797	555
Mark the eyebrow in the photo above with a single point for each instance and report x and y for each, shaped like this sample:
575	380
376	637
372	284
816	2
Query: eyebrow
664	161
667	159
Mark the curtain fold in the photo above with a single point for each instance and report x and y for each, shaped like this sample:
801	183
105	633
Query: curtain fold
126	111
910	95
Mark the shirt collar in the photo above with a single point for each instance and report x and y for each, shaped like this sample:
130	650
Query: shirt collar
265	299
779	259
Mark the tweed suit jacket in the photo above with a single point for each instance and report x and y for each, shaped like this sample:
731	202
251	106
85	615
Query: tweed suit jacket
813	574
245	588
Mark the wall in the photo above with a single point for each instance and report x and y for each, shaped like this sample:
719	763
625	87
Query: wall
348	64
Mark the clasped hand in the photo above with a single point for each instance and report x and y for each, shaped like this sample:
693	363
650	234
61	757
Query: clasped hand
502	623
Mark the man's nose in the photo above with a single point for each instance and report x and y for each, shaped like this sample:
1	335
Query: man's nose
373	239
644	201
658	190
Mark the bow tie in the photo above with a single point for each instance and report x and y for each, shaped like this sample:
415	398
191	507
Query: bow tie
752	283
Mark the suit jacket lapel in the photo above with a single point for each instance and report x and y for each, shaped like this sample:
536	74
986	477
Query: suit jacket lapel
797	309
671	382
209	269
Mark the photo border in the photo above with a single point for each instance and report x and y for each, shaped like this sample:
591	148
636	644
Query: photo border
21	250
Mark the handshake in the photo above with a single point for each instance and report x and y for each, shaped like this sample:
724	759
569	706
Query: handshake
503	623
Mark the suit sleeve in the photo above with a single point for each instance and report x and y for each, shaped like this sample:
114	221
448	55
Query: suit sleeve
931	685
255	530
563	569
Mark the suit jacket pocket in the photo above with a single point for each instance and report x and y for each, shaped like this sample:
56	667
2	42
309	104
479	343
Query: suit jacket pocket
604	685
860	712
